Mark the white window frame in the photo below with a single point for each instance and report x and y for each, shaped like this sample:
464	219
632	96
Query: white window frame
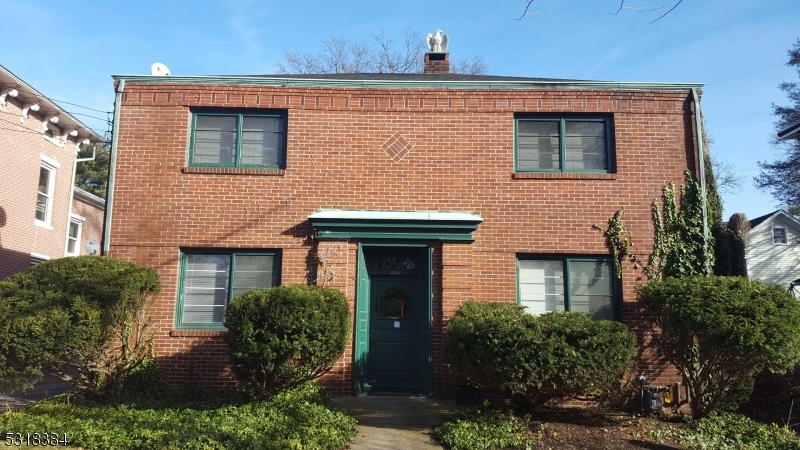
74	218
785	235
51	165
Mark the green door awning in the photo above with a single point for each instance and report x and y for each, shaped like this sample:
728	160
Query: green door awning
417	225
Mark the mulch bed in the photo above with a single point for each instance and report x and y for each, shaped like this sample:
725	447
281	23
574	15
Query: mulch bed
579	428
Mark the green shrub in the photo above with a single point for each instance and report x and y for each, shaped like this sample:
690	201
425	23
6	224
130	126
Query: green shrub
287	335
721	331
736	432
484	430
83	313
298	419
536	358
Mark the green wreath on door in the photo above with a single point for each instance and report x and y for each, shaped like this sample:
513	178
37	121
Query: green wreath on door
392	302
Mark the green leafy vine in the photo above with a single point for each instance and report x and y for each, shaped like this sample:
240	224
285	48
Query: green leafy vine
619	242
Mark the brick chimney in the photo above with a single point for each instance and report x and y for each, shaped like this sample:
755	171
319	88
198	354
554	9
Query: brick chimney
437	62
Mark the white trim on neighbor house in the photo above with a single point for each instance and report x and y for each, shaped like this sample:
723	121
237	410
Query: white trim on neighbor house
790	132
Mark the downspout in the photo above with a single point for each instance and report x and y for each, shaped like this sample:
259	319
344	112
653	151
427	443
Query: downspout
112	166
702	165
72	196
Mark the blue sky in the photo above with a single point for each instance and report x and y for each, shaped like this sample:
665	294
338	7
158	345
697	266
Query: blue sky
736	47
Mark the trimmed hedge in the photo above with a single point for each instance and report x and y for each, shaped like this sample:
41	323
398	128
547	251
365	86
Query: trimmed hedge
67	314
285	336
536	358
720	332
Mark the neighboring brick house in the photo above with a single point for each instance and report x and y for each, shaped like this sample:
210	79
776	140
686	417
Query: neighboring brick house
447	187
38	147
88	213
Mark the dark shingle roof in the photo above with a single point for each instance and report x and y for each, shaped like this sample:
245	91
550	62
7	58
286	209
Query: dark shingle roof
757	221
402	77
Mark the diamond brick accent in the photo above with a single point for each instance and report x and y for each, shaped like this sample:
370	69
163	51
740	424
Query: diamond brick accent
397	147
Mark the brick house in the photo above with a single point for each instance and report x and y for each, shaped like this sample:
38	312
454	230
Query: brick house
444	187
39	144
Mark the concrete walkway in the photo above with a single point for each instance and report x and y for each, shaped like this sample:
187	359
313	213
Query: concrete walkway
39	392
395	423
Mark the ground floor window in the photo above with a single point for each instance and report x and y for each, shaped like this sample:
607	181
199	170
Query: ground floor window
567	284
211	279
74	236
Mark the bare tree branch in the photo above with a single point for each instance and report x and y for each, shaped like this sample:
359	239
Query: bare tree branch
670	10
729	182
621	7
526	9
474	66
383	54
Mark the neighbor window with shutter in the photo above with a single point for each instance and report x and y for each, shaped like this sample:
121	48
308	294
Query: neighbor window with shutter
246	139
210	280
563	144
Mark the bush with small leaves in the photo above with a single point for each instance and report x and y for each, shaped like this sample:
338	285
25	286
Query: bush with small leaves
285	336
83	313
536	358
720	332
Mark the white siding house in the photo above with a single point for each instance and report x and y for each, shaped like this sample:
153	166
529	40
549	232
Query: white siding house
773	250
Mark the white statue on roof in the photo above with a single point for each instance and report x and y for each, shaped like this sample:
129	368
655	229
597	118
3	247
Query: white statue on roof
437	43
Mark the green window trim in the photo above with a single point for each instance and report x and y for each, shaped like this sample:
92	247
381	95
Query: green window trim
231	281
240	115
561	121
567	275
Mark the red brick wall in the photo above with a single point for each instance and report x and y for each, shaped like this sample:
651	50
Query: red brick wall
93	225
461	160
21	145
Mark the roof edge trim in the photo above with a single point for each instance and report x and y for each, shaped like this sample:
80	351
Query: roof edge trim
402	84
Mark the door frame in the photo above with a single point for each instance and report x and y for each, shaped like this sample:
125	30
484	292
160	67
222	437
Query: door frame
362	319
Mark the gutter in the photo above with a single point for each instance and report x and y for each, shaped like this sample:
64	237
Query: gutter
112	170
702	166
406	84
72	197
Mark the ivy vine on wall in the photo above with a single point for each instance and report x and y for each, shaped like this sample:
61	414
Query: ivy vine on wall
680	246
619	242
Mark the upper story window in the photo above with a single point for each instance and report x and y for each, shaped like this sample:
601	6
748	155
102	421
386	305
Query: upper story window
44	196
779	236
238	139
210	279
567	284
563	144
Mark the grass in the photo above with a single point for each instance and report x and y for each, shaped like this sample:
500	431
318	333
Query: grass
303	418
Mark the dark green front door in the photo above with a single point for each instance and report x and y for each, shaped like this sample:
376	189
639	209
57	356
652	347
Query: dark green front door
399	320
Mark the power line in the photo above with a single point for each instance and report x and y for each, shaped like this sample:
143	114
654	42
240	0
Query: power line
74	104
